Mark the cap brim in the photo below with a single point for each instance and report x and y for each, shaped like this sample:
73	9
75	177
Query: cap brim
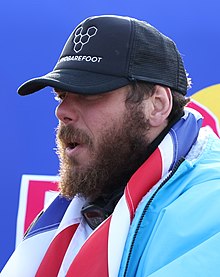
76	81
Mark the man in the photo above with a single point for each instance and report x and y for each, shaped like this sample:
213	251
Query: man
139	177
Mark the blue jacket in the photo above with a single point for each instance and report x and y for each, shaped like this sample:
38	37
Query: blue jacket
176	229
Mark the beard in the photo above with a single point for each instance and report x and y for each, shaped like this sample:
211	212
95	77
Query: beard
120	152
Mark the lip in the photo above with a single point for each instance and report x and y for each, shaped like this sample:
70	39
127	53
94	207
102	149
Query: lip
72	151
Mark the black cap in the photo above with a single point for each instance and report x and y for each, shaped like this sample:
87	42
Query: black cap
108	52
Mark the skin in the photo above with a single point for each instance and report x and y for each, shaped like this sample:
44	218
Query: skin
103	139
90	114
93	114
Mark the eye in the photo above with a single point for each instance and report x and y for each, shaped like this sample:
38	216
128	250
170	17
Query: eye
59	96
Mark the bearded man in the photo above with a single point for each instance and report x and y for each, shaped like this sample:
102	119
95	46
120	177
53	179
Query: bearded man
139	177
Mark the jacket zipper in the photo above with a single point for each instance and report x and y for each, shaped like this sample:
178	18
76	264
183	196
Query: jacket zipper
146	209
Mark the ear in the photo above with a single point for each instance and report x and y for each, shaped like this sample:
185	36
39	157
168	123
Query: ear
161	106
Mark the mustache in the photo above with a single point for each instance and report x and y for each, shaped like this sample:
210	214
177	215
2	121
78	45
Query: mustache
67	134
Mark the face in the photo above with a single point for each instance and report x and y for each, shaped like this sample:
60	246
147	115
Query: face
101	141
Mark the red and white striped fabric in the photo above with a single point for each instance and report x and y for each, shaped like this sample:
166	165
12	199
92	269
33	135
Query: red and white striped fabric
103	250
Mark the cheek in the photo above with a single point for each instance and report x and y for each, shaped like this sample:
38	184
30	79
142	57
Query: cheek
99	121
98	129
95	121
109	128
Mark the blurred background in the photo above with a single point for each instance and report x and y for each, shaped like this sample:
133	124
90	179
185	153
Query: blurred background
32	34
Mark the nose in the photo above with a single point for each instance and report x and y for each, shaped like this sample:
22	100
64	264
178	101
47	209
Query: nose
66	111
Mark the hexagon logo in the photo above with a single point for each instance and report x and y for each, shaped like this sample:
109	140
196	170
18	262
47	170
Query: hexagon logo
81	39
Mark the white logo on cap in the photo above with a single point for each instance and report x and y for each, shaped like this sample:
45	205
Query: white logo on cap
80	40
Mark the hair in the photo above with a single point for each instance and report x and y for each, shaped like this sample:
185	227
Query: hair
140	90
